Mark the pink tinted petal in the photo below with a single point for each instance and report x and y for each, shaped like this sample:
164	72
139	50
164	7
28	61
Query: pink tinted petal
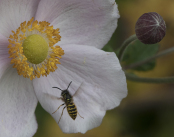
48	95
14	12
28	131
50	101
87	22
4	56
18	103
98	83
101	70
30	128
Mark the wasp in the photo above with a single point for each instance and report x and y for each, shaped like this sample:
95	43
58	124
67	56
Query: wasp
68	102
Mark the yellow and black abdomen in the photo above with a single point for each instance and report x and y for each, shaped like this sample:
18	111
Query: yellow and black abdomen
72	110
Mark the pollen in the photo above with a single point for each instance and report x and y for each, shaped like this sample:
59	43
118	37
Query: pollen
33	49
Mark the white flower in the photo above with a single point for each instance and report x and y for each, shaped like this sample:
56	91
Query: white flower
85	27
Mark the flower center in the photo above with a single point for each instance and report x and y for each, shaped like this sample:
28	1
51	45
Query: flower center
35	48
32	49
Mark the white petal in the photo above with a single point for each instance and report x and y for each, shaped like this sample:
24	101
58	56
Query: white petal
14	12
4	56
87	22
18	103
98	83
28	130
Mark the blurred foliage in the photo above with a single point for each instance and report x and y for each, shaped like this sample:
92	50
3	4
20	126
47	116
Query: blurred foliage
148	109
137	51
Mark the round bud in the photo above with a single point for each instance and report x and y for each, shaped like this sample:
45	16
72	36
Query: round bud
150	28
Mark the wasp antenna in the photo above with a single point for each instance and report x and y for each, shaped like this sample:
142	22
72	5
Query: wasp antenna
69	85
57	88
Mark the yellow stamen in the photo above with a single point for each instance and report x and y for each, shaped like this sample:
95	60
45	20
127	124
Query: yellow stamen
48	57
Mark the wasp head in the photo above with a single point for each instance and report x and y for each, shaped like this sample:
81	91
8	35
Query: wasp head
66	95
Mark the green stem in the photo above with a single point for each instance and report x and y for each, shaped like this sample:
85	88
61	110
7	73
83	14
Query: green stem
133	77
125	44
167	51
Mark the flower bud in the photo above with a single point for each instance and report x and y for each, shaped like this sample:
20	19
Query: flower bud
150	28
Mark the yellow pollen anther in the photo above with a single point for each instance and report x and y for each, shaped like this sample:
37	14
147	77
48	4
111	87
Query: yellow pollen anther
32	49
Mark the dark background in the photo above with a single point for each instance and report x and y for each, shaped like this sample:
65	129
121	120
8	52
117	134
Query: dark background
148	110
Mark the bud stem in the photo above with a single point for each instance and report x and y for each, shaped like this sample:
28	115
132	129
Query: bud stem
124	46
133	77
134	65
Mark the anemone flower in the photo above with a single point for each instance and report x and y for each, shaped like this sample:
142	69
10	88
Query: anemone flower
49	43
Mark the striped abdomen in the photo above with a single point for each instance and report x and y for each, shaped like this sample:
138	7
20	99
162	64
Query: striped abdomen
72	110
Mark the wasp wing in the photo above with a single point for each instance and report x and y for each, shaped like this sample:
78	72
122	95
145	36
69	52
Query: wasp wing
53	97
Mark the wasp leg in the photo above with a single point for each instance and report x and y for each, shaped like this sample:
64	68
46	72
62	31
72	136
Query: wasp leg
79	115
58	108
61	114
